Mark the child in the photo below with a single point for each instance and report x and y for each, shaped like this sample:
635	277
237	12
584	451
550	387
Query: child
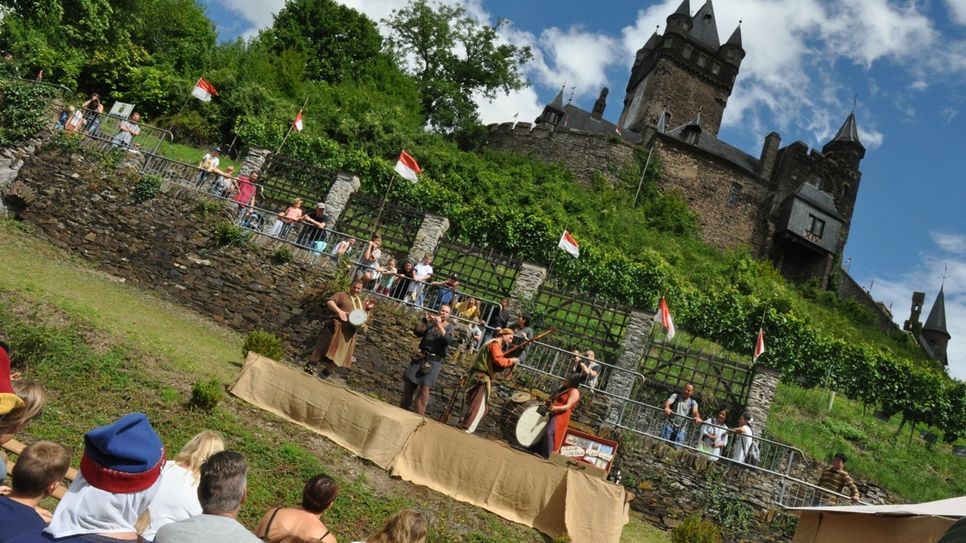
39	469
388	277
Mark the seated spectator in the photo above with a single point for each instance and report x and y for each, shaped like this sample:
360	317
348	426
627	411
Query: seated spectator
387	277
369	261
62	118
177	497
127	131
314	228
39	469
119	472
302	523
76	122
407	526
20	402
222	490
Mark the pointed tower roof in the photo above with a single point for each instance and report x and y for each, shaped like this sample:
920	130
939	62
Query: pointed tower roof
683	9
849	132
652	41
936	321
704	29
557	102
735	39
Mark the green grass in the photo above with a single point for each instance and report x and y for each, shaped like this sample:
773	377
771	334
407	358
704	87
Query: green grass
904	466
103	348
191	155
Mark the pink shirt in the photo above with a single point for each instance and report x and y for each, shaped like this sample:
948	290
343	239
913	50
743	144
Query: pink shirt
246	189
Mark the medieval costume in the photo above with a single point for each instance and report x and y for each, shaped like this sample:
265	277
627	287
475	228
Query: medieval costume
435	336
338	338
488	361
561	406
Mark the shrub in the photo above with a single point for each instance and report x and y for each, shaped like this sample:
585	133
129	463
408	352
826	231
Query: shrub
146	188
282	255
264	343
205	395
694	529
227	234
206	207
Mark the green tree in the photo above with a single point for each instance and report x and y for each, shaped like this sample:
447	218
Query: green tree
454	58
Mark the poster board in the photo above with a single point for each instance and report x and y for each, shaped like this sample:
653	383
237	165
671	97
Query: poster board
122	110
590	449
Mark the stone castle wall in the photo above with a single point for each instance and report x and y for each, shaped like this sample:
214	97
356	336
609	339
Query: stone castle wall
848	288
585	155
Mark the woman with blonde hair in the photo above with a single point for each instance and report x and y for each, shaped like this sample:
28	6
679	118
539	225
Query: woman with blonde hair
285	524
177	496
20	402
408	526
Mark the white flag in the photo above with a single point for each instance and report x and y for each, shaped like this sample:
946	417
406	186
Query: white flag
203	90
569	244
406	166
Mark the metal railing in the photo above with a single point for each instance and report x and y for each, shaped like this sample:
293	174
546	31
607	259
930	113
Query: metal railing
797	493
108	128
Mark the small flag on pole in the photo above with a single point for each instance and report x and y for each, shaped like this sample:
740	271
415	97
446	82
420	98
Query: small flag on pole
203	90
298	122
665	315
569	244
759	345
618	130
406	166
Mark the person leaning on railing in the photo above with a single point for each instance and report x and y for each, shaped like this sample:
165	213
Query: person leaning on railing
836	479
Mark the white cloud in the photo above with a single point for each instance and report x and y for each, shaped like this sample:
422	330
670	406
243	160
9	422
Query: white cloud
896	292
957	9
257	12
577	58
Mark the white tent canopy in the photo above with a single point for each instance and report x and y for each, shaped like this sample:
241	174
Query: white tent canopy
904	523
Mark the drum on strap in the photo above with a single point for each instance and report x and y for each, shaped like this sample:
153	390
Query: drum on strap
358	317
523	423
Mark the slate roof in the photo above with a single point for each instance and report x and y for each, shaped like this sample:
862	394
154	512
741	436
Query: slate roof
849	131
704	29
578	119
711	144
937	315
818	198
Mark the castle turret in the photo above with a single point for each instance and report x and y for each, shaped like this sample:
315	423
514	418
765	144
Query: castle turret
934	333
685	71
845	146
913	325
553	112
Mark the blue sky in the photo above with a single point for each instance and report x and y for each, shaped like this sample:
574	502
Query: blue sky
806	62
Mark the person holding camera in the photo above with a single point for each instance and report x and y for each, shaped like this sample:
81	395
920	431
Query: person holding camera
435	334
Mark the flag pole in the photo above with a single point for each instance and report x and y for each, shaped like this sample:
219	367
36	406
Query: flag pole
644	172
184	105
375	225
291	127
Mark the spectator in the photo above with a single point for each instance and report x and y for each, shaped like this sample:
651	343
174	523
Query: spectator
290	216
387	276
343	249
714	435
522	332
476	334
245	199
93	109
836	479
586	367
407	526
62	118
127	131
497	317
679	408
316	222
468	309
743	438
303	522
208	164
39	469
75	123
225	185
222	490
20	402
423	273
370	260
445	292
404	278
177	497
119	472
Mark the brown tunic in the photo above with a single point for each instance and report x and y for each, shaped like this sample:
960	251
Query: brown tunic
338	339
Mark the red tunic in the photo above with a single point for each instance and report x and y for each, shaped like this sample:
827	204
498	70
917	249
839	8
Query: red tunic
562	419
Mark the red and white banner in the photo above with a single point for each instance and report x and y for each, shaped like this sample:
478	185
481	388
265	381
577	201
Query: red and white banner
569	244
298	122
759	345
406	166
664	314
203	90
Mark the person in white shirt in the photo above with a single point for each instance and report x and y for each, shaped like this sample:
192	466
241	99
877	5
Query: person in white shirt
743	438
714	435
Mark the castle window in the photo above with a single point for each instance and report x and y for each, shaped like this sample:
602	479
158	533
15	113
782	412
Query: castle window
668	42
734	194
846	189
702	60
687	51
816	226
715	68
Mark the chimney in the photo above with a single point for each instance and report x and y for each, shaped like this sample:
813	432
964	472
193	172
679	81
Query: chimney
600	104
769	152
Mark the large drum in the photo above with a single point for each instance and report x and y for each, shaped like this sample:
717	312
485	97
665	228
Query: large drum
523	423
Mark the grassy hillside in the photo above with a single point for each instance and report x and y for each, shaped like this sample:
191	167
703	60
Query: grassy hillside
103	348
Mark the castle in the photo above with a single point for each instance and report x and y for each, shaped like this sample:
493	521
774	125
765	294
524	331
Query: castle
792	204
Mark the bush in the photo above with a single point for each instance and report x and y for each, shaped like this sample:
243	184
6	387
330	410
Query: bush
264	343
146	188
694	529
282	255
205	395
227	234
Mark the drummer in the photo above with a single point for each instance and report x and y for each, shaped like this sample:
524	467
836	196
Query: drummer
435	334
488	362
338	337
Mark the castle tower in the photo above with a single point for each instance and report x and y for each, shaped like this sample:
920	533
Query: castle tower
685	71
934	334
913	325
846	151
553	112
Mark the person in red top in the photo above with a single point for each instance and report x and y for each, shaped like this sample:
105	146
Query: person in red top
488	362
561	405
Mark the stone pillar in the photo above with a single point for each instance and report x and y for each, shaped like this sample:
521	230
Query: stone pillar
764	383
338	196
430	233
254	161
620	384
527	284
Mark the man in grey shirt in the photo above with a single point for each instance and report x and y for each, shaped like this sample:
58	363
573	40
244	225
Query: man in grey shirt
222	491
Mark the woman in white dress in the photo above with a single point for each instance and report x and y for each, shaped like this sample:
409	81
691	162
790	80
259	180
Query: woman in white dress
177	497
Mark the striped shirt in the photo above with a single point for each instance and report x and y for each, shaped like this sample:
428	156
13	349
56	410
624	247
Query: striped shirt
838	480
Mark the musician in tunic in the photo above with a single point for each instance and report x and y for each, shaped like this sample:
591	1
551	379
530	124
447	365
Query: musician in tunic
338	337
559	407
489	360
435	334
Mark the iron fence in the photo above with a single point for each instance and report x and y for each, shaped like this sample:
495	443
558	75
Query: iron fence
285	179
398	225
119	132
484	272
581	322
797	493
